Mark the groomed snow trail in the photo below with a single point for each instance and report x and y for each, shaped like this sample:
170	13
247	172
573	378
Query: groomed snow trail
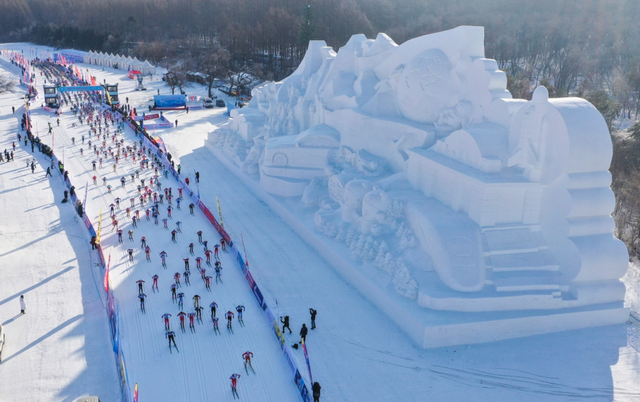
200	370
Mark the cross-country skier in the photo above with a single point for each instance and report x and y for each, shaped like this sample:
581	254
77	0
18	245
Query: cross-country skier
213	307
176	277
186	274
165	221
247	359
143	242
171	335
223	244
234	384
147	251
140	282
229	317
191	248
186	263
166	321
207	282
141	296
192	316
216	321
191	208
173	235
313	317
178	226
199	312
200	236
218	269
181	315
240	309
208	255
174	296
120	236
155	282
198	262
215	251
130	251
180	300
163	255
196	301
169	209
285	323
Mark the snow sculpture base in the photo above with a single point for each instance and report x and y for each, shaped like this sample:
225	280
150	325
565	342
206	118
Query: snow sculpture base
465	215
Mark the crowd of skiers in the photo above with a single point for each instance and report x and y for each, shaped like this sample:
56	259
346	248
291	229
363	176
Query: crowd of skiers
102	142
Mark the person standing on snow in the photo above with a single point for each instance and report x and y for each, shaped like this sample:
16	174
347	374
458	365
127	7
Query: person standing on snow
303	333
313	317
23	305
285	323
316	391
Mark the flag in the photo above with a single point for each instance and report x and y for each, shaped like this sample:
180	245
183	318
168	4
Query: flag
306	357
135	394
220	212
106	275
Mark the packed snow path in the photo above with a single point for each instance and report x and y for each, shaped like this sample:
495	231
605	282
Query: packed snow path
200	370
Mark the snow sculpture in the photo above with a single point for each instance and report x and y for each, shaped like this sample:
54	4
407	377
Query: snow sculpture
458	196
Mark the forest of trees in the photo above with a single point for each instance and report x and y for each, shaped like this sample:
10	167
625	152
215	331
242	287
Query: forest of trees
583	47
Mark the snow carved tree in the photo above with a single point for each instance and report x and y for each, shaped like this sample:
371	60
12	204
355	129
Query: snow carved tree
402	281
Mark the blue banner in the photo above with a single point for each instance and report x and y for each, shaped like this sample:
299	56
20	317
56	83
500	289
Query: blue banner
81	88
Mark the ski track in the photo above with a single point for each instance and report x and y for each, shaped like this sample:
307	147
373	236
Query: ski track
238	284
247	339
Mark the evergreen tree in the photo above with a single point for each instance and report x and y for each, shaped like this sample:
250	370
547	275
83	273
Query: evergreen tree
307	28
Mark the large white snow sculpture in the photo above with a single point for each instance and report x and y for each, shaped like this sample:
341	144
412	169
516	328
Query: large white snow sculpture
507	200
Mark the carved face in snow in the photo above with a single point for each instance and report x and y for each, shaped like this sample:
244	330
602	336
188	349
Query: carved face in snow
426	86
374	205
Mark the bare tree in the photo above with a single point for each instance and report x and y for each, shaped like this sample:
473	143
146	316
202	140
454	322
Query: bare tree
176	79
241	79
214	65
171	79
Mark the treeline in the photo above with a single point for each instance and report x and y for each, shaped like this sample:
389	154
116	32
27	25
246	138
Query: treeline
572	46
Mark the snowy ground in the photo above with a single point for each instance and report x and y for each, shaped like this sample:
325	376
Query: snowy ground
356	352
61	349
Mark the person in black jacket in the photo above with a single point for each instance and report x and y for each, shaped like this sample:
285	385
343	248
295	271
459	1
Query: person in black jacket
303	333
285	323
313	317
316	391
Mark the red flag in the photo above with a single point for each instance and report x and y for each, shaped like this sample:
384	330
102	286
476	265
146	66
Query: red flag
135	394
